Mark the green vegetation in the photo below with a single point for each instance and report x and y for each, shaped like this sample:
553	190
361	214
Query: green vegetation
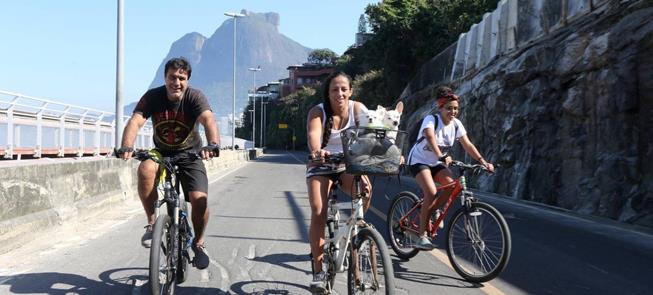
407	33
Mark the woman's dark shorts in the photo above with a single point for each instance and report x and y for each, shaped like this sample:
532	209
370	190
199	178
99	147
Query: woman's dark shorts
332	172
416	168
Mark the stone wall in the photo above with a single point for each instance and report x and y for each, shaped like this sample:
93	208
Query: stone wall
44	193
569	117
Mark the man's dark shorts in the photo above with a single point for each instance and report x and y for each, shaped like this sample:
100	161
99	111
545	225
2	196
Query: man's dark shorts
192	175
416	168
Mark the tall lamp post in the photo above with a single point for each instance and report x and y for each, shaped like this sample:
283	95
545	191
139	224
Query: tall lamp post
233	112
119	74
254	70
262	123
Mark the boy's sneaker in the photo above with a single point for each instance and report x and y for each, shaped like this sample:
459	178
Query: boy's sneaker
201	259
318	284
146	239
424	244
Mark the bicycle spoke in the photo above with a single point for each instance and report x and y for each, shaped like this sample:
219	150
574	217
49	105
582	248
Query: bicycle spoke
476	244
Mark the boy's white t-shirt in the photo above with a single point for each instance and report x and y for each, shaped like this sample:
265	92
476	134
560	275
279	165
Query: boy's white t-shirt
445	136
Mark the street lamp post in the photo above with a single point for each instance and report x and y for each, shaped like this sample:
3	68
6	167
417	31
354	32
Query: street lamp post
263	123
233	112
254	70
252	114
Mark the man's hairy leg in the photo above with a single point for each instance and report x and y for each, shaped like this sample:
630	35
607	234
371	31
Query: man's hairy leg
200	214
146	189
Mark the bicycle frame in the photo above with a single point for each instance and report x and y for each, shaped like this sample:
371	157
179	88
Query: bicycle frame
343	236
172	197
458	187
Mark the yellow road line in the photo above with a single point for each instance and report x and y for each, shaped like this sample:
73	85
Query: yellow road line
442	256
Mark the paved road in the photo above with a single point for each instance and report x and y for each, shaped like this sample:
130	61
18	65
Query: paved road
258	233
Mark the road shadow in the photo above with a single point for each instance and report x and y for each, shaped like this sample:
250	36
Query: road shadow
113	281
281	157
261	287
56	283
282	259
402	272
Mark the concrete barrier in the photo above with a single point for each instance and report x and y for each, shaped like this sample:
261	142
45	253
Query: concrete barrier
39	194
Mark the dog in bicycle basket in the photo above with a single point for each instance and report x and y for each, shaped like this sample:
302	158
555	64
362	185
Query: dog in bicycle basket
375	151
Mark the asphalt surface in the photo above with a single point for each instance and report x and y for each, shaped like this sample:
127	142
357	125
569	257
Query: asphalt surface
257	239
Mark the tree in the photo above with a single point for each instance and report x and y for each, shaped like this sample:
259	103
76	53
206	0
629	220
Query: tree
322	56
408	33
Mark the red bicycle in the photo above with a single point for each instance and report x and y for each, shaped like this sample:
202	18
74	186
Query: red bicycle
478	239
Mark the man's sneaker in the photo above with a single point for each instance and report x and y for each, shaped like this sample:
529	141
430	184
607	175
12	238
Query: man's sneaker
201	260
318	285
146	239
424	244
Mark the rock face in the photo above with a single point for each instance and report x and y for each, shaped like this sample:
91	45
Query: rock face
569	117
258	43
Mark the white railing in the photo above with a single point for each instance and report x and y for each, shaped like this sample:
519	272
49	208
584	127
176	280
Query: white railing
38	127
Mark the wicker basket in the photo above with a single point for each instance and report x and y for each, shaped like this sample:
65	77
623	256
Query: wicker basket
372	151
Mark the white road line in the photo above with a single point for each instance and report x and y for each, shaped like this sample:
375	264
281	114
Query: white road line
440	255
225	174
298	160
224	275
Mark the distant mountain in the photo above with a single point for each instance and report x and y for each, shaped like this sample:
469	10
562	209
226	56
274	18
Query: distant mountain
258	42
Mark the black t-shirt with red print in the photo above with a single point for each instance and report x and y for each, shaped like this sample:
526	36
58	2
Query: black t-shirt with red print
174	122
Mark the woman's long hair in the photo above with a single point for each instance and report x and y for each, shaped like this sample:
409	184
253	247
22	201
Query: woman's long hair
326	104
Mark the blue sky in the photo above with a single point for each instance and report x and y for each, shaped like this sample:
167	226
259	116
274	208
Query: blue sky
66	50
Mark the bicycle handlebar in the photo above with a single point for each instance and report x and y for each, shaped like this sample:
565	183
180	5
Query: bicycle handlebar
474	167
336	158
143	155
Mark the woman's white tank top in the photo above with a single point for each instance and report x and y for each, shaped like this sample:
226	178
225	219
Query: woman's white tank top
335	143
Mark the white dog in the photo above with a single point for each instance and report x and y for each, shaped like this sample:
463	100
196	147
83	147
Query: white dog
369	119
390	118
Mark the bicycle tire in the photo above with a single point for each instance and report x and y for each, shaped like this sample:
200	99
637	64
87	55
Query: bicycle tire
488	244
161	283
368	249
402	243
183	258
330	267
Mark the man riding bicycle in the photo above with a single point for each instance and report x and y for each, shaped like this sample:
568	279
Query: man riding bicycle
175	110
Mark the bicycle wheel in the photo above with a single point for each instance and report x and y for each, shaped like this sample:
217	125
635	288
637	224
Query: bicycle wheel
329	257
162	277
370	268
478	242
403	241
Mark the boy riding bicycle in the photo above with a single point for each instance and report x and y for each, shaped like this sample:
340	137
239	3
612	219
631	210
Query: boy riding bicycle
429	160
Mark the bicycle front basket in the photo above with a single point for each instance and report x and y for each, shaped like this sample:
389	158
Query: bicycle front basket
372	151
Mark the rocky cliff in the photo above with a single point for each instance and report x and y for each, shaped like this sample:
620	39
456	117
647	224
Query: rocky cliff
569	117
258	43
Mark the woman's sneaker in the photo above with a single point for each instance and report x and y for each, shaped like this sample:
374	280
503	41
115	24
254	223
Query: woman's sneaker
146	239
318	284
424	244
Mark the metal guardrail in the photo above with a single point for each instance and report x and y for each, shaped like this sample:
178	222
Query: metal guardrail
39	127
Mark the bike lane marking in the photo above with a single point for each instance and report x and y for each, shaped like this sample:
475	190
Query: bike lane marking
440	255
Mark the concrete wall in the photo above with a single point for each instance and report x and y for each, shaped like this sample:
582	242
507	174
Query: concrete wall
43	193
513	25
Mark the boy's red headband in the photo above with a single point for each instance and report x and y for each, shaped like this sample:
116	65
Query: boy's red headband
442	100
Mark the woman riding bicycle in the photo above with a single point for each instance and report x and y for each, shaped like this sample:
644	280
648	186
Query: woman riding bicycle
429	158
325	122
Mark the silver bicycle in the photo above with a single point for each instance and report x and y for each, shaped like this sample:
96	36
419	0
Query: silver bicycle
355	246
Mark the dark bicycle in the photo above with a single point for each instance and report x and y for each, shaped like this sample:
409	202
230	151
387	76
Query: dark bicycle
172	234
